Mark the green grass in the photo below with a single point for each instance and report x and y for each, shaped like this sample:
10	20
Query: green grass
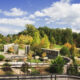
58	46
22	48
34	61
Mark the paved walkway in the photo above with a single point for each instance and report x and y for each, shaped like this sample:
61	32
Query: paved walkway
17	71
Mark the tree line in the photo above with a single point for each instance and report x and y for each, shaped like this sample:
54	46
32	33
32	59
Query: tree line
43	35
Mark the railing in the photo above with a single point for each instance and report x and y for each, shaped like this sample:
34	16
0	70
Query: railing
40	77
24	73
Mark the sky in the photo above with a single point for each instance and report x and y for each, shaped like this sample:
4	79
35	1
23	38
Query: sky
15	14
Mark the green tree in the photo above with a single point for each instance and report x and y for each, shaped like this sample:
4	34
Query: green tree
2	57
45	42
58	36
67	36
65	51
30	29
52	40
57	65
36	38
78	41
24	39
72	51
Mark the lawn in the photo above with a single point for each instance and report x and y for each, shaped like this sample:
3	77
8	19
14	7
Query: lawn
58	46
34	61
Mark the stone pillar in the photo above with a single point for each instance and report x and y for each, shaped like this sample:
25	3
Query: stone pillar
5	48
65	69
58	53
27	49
16	49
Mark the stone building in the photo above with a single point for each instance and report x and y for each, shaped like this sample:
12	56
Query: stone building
27	49
51	53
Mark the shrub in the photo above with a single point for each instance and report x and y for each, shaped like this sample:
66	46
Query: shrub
1	47
35	72
68	45
11	50
21	46
7	67
7	60
65	51
24	68
30	54
72	70
8	73
57	65
44	54
1	57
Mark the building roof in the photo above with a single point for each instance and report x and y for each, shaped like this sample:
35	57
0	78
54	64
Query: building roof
50	49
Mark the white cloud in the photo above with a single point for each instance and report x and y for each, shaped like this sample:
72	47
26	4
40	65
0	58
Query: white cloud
32	17
38	13
16	21
0	10
14	12
75	30
13	24
6	30
61	12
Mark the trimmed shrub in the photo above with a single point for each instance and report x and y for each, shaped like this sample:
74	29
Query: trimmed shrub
7	67
1	57
57	65
65	51
24	68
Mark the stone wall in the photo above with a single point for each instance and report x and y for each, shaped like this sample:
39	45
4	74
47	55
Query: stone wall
15	47
51	53
6	47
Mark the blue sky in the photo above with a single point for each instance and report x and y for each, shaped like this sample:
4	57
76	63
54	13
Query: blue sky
15	14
